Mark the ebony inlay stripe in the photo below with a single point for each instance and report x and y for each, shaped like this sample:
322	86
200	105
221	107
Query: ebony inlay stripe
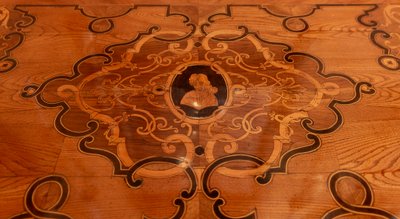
31	206
14	36
128	171
282	168
345	208
390	60
214	193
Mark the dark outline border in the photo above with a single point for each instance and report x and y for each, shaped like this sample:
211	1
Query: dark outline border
186	20
35	90
29	203
214	194
359	87
19	25
286	18
128	174
346	208
386	51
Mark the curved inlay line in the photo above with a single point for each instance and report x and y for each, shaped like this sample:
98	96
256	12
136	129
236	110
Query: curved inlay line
365	208
31	207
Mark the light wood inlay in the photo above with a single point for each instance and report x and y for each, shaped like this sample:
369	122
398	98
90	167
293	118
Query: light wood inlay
187	109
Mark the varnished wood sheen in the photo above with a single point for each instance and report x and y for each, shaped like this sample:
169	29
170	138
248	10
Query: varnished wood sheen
200	109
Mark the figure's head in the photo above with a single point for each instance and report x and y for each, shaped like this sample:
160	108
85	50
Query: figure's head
199	81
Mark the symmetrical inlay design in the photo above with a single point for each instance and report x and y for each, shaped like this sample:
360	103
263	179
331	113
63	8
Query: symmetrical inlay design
200	102
236	87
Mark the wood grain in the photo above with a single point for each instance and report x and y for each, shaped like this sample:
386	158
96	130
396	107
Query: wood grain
305	121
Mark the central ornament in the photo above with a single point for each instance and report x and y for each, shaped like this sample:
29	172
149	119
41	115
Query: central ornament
149	102
237	98
197	90
203	95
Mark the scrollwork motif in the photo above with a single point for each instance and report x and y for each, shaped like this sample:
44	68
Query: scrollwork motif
34	211
126	98
387	40
365	208
11	35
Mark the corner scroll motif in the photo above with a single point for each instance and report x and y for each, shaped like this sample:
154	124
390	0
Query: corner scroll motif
32	209
345	208
386	38
12	35
159	90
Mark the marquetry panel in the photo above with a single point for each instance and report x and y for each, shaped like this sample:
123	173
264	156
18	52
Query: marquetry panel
194	110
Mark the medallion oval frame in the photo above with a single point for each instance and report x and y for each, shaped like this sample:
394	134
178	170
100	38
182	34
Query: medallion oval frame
179	113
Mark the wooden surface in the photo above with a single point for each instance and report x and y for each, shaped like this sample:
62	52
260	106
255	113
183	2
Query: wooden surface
187	109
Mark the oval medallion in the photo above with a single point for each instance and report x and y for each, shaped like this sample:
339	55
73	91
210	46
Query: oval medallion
198	91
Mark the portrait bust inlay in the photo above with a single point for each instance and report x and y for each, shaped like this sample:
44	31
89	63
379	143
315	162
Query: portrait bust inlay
203	94
198	91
